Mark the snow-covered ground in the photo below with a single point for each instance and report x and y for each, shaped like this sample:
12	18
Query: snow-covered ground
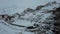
11	7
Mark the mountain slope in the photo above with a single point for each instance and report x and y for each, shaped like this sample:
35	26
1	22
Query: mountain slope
39	20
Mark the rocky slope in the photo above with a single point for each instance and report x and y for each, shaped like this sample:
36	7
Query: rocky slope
42	20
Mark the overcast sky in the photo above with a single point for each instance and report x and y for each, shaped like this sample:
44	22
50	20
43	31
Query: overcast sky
22	3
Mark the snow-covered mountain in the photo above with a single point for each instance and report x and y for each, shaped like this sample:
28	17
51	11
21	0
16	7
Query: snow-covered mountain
31	21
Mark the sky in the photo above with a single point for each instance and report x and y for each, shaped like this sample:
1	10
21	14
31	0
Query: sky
22	4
